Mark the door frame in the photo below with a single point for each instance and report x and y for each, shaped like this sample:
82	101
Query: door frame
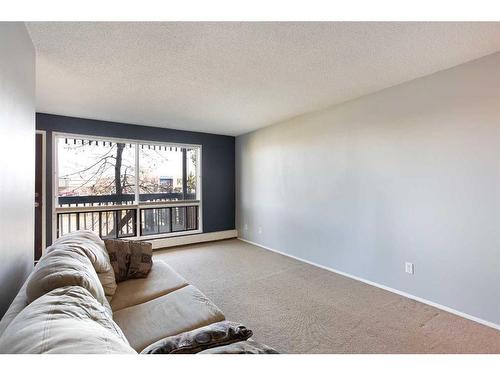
43	133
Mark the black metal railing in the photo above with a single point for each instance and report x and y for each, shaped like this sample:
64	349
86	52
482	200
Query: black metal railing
107	224
123	223
121	199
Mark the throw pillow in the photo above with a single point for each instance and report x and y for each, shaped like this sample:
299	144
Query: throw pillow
141	259
241	347
216	334
119	256
130	259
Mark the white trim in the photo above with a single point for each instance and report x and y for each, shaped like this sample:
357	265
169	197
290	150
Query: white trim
43	133
381	286
191	239
148	237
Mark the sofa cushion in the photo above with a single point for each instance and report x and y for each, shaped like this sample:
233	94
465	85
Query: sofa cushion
66	320
61	268
93	247
161	280
182	310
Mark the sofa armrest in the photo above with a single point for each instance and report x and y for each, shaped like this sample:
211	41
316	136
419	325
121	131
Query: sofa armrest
213	335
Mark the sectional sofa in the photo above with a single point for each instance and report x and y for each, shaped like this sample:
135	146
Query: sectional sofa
71	304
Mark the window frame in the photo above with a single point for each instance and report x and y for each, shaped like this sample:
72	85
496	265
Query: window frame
137	205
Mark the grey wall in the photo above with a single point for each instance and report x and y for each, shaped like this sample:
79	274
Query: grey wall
17	158
218	191
411	173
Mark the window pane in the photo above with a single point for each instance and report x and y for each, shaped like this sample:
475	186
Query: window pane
160	173
67	223
178	219
163	220
148	222
95	172
155	221
108	224
192	218
90	221
126	223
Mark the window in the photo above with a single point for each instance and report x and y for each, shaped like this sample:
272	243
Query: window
95	172
167	172
119	188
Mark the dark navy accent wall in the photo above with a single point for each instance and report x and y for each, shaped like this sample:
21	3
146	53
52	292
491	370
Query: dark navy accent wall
217	169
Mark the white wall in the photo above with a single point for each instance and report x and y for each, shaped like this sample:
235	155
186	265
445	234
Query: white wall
411	173
17	169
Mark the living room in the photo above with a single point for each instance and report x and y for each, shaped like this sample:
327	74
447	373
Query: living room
233	185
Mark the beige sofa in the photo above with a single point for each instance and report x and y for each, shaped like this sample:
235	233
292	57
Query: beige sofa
70	304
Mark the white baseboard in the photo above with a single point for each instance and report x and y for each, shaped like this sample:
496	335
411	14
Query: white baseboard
381	286
160	243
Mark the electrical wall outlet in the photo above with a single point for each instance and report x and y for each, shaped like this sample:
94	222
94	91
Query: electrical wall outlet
246	228
409	268
260	230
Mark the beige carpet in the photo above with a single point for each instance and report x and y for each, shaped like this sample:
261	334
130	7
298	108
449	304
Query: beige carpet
299	308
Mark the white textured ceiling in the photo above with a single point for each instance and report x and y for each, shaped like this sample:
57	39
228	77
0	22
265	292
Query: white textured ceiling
231	78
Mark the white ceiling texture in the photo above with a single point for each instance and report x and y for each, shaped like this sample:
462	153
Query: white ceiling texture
234	77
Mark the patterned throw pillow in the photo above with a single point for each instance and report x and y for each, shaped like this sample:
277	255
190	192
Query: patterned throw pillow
241	347
130	259
141	259
216	334
119	256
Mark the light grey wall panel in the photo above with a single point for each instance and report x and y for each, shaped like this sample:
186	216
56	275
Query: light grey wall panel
17	158
411	173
